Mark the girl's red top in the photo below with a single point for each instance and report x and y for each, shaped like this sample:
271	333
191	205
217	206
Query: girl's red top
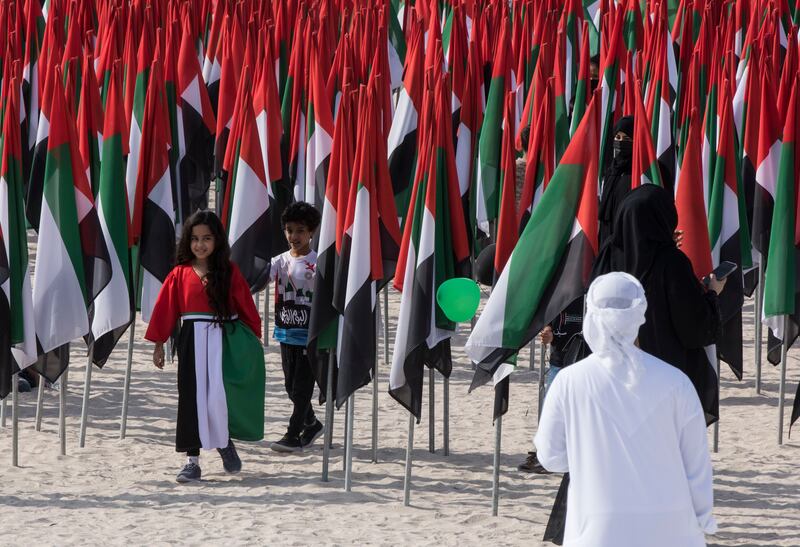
183	292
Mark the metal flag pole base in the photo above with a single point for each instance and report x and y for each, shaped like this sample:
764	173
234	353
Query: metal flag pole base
386	325
39	403
375	389
498	431
266	316
348	471
431	410
87	386
375	412
716	424
446	416
782	387
759	329
126	388
541	383
3	406
62	413
14	421
326	449
409	450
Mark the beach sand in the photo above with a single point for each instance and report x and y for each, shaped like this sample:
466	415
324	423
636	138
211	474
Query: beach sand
124	491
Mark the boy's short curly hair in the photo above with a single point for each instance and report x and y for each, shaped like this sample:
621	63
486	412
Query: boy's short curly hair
301	212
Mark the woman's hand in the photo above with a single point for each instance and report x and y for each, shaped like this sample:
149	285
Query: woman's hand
677	237
158	356
715	284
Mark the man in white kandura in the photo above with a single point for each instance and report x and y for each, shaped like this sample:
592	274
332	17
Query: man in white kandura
630	431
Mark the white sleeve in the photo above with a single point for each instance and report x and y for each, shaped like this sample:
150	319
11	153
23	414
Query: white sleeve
551	436
696	459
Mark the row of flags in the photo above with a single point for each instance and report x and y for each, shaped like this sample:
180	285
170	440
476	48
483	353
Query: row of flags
402	123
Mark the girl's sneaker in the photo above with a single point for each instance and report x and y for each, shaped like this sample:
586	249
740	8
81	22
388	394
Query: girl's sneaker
189	473
230	458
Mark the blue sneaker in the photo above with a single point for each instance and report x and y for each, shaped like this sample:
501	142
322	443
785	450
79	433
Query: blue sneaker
230	458
189	473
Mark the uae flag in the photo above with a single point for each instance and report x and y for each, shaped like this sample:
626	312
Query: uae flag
196	126
766	165
434	249
18	338
35	188
370	245
230	74
780	281
319	135
551	263
31	84
540	160
689	201
72	262
659	112
402	143
644	169
324	320
154	213
113	307
134	108
249	203
487	176
730	241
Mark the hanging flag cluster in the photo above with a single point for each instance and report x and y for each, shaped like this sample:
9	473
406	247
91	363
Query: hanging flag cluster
402	122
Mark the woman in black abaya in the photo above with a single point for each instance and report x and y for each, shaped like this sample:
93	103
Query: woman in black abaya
682	317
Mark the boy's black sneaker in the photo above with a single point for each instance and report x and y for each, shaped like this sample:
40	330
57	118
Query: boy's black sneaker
189	473
311	433
288	443
532	465
230	458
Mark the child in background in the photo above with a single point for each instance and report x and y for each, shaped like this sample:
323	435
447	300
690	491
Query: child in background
293	273
220	394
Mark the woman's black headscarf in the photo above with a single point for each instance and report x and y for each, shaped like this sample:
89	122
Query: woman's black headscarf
621	164
643	227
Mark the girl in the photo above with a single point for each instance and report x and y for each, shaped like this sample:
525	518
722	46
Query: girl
220	358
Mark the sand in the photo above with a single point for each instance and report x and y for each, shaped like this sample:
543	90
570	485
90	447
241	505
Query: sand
124	491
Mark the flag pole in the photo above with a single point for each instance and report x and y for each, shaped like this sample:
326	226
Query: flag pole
14	420
541	382
344	436
87	386
757	318
409	450
386	324
328	438
348	472
431	410
126	388
782	387
3	412
446	416
62	412
266	316
375	388
39	403
498	431
716	424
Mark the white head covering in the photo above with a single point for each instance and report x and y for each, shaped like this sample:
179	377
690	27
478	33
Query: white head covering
615	308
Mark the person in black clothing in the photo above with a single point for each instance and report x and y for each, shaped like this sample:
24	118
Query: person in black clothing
557	334
682	316
617	177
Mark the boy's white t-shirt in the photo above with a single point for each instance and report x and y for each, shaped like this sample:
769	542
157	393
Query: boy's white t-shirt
294	291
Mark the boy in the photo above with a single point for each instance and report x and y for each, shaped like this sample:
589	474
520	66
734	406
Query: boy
293	273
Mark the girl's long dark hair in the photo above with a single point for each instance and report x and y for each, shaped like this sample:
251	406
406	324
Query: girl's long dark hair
218	279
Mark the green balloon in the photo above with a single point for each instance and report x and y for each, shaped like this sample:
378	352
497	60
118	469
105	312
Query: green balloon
459	298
